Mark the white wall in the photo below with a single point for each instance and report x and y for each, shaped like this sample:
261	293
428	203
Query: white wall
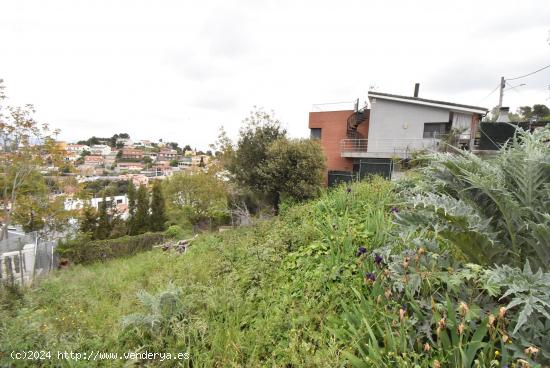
399	125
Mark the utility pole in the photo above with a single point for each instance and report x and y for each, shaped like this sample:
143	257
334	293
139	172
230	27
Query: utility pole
502	85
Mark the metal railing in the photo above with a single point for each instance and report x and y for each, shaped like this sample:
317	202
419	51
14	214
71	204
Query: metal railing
390	146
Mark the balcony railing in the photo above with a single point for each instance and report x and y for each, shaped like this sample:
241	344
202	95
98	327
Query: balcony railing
387	146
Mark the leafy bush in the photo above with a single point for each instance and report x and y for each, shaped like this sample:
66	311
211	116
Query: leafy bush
82	250
159	324
419	306
174	232
528	297
493	210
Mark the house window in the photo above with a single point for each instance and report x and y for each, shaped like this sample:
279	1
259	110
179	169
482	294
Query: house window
432	130
315	133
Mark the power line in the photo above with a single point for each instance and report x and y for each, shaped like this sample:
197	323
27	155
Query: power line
526	75
490	93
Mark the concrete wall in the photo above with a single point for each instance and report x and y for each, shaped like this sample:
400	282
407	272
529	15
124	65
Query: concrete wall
333	126
398	120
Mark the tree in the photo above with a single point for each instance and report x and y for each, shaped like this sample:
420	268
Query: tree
103	229
537	111
24	145
173	163
36	211
141	220
131	207
260	130
195	198
540	111
223	148
158	211
147	160
88	220
525	112
294	169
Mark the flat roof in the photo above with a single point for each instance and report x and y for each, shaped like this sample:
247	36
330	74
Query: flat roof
426	102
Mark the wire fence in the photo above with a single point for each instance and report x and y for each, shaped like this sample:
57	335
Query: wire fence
24	259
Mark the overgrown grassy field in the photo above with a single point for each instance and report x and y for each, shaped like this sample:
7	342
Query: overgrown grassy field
448	268
257	296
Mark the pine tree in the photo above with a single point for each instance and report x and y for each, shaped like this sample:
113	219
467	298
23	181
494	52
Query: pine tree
131	208
158	211
88	221
103	229
141	219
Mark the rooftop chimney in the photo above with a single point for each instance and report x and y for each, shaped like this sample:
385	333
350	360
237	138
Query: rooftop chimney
416	88
503	115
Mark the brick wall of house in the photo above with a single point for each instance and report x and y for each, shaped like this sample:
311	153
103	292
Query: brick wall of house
333	126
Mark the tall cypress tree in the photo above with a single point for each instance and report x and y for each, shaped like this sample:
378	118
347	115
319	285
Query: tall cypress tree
103	229
88	221
141	220
158	211
131	207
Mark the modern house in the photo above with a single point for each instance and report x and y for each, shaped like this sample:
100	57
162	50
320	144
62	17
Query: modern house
366	140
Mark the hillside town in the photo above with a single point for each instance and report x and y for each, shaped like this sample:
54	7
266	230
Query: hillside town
120	159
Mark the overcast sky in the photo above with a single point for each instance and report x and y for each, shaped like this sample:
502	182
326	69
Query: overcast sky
178	70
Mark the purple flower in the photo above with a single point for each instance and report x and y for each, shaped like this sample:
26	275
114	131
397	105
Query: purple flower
370	276
361	251
378	259
394	210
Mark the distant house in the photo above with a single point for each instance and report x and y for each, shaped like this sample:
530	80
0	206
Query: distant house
124	141
77	148
362	141
71	156
110	159
185	162
167	154
132	153
143	143
117	203
93	160
129	166
100	149
137	179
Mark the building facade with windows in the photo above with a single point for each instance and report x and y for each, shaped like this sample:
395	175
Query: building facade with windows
369	140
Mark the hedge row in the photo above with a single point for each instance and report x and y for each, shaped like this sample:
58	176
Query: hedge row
83	250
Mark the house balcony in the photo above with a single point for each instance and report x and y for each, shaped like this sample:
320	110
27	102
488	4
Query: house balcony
386	148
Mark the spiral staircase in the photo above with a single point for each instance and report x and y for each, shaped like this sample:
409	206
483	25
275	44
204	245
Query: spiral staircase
356	118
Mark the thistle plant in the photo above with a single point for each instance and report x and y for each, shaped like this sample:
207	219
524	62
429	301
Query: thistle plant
493	210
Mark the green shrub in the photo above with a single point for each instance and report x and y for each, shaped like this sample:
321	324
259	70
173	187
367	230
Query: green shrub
421	305
81	250
174	232
493	210
159	324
